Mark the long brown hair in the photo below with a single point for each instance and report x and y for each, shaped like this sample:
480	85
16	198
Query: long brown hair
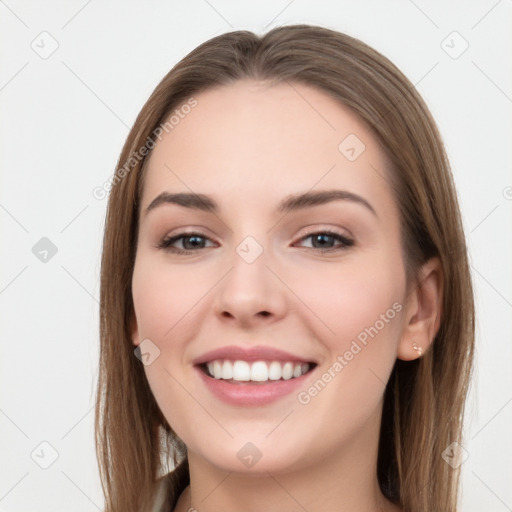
424	399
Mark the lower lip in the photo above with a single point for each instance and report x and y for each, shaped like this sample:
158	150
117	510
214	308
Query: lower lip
247	394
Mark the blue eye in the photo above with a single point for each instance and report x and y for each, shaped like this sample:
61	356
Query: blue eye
193	242
322	241
190	242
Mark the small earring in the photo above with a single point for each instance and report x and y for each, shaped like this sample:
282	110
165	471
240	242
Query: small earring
417	348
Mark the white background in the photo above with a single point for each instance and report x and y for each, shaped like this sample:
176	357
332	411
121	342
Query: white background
64	120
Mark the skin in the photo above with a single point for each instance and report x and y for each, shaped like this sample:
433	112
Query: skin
248	146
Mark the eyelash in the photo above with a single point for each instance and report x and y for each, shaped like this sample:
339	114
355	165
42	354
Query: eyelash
166	243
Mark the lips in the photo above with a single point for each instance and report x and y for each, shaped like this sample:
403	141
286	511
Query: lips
251	393
250	354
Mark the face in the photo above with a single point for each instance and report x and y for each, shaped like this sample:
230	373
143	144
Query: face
322	280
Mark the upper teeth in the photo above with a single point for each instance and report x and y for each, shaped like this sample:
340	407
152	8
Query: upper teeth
259	371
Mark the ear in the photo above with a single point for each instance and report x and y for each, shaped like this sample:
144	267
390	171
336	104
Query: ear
422	316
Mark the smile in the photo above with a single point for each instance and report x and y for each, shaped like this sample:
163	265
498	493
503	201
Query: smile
255	371
255	384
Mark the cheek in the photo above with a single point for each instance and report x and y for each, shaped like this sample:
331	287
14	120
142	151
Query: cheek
164	303
361	307
163	299
352	298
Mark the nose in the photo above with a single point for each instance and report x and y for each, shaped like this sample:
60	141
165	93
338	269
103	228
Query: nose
250	294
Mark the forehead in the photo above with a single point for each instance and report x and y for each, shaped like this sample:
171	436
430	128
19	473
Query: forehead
260	141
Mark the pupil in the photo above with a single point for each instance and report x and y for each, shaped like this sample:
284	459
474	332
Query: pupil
322	239
194	244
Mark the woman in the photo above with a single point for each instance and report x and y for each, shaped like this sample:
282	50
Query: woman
286	305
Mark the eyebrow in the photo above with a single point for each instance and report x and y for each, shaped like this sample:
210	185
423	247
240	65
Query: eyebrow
290	203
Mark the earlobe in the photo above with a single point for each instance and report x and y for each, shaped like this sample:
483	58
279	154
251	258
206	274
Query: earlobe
408	351
418	349
422	312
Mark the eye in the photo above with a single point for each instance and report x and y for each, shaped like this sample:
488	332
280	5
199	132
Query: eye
323	240
190	243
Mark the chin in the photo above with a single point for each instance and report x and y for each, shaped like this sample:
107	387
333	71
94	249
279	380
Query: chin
251	458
